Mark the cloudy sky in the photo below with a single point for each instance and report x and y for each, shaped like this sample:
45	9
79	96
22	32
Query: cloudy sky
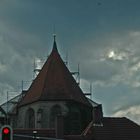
103	36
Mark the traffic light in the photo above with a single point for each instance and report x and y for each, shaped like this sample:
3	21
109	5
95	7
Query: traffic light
6	133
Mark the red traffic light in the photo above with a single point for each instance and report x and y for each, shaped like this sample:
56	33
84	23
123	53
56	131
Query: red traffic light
6	130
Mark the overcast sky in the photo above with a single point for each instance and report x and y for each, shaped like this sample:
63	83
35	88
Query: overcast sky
103	36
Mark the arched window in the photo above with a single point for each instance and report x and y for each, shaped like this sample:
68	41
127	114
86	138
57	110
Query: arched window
75	119
39	118
30	118
55	111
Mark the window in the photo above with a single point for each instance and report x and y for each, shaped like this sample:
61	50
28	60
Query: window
75	120
30	118
55	111
39	118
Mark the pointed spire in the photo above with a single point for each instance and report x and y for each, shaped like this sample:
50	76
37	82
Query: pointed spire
54	43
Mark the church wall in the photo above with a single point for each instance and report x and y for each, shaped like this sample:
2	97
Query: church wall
78	118
45	106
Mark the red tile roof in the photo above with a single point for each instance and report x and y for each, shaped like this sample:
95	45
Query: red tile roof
110	129
117	129
54	82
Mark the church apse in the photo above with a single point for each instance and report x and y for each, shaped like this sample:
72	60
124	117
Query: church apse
55	92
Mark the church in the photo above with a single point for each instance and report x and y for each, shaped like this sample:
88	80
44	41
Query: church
53	92
54	102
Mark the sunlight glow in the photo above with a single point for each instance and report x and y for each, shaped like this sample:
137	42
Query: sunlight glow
111	54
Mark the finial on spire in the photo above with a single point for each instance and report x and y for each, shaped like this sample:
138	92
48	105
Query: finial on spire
54	43
54	33
54	36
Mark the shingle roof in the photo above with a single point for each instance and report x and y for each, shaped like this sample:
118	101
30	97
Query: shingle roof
117	129
54	82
